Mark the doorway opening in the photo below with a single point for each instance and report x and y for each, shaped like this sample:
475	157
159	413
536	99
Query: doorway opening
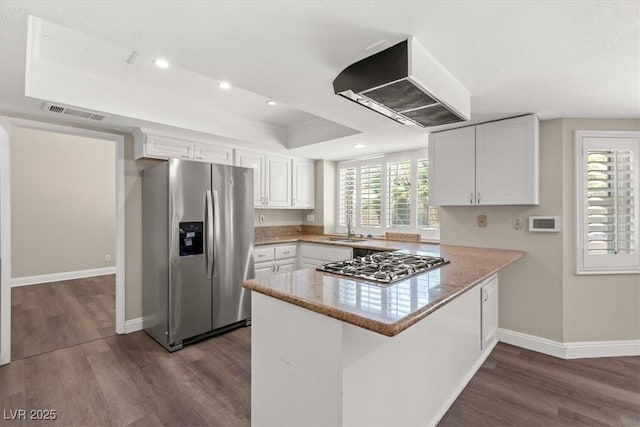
63	217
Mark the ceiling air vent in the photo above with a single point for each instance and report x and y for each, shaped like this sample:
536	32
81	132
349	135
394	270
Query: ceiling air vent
85	114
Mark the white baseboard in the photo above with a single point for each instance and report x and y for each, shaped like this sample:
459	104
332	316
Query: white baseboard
57	277
531	342
579	350
570	350
133	325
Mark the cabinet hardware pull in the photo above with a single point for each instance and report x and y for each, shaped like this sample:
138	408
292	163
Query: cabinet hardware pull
478	198
286	252
470	198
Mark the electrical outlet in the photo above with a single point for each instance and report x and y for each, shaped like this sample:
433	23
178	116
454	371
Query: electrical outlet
311	218
517	223
261	219
482	221
107	258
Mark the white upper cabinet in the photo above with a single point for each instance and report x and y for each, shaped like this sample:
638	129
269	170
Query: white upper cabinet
272	177
212	153
303	188
277	182
488	164
251	159
163	147
452	158
156	146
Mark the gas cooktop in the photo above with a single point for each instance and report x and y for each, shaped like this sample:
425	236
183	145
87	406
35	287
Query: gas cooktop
384	267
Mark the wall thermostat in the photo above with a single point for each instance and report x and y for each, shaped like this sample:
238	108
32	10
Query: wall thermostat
548	224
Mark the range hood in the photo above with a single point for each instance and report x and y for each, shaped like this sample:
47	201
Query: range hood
406	84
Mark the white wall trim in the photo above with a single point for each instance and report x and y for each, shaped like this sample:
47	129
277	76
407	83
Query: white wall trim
133	325
570	350
5	242
579	350
57	277
532	342
5	232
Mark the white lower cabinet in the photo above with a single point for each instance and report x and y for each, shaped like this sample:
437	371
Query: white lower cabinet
489	312
274	259
313	255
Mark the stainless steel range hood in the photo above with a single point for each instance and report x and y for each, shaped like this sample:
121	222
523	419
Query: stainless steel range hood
406	84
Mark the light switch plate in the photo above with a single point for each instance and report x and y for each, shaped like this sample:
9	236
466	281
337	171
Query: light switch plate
311	218
482	221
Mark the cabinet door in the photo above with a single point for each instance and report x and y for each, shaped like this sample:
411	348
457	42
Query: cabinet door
250	159
285	266
277	181
263	269
506	162
213	153
452	167
303	184
164	147
489	312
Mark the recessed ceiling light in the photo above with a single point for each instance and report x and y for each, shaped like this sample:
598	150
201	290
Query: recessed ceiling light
359	145
271	102
161	63
224	85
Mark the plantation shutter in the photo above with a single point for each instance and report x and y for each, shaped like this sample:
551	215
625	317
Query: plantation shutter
610	202
399	194
370	196
428	216
608	197
346	195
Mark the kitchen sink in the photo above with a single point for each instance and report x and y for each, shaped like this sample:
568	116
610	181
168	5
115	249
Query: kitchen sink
344	240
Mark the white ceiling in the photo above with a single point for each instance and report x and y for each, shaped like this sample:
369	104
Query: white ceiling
556	59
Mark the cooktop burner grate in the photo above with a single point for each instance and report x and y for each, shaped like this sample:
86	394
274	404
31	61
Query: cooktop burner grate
384	267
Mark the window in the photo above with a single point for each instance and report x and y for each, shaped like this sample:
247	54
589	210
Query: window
607	202
387	193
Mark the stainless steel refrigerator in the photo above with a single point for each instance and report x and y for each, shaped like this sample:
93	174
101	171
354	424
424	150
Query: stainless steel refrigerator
197	249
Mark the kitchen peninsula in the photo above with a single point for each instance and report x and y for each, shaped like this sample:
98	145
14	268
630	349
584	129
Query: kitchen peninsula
330	350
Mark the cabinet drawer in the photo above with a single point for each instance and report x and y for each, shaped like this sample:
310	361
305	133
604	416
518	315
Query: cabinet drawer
263	254
288	251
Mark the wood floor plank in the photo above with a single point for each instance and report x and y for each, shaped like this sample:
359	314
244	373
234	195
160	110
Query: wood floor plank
521	387
57	315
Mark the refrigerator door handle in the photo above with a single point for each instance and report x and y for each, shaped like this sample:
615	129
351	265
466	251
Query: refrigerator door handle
215	241
209	236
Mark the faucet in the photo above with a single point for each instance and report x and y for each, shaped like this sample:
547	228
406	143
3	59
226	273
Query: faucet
350	232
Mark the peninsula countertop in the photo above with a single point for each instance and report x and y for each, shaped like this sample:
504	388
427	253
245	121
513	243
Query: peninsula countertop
385	309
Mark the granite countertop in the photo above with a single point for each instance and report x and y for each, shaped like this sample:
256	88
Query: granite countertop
385	309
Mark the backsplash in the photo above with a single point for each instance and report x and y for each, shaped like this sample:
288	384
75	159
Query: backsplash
287	230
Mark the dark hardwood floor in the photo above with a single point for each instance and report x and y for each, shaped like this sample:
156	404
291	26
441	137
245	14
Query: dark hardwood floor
517	387
57	315
130	380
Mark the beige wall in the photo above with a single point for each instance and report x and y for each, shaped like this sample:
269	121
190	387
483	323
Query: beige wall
133	228
325	195
540	294
62	203
596	307
531	288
